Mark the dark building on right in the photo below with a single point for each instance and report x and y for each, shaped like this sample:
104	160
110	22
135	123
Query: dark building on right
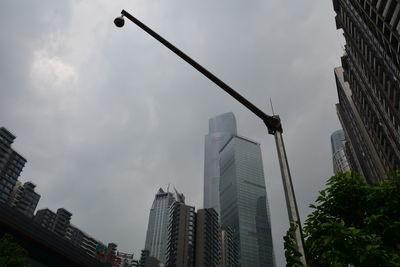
368	84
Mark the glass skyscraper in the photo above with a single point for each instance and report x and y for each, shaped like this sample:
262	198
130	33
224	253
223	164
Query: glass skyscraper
157	232
221	128
243	200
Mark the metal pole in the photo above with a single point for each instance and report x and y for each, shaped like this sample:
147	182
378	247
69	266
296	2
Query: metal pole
291	203
273	124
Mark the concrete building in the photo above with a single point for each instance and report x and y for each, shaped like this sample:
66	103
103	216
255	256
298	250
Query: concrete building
127	260
24	198
221	128
148	261
181	236
360	150
157	229
339	158
368	84
243	200
229	253
56	222
208	245
83	240
45	248
11	165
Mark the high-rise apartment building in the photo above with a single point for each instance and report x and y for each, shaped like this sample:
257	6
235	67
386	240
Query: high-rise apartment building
45	218
24	198
181	236
56	222
83	240
243	200
229	253
340	162
221	128
11	164
368	84
157	229
359	148
208	244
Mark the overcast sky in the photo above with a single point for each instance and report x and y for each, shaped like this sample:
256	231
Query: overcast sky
106	116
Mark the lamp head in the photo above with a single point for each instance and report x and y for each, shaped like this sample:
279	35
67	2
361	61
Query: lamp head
119	21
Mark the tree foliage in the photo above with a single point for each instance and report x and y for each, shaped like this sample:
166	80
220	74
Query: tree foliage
291	254
354	223
12	254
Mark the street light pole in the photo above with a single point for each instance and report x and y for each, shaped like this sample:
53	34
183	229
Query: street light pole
273	124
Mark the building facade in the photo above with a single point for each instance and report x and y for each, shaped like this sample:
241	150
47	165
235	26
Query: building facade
221	128
208	244
369	88
148	261
360	150
229	253
243	199
11	165
83	240
181	236
44	248
157	229
56	222
24	198
339	158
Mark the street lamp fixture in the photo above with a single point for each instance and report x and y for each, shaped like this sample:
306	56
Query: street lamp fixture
119	21
273	124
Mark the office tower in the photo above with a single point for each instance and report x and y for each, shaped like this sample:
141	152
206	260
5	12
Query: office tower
181	236
11	164
229	253
243	200
156	236
207	239
221	128
24	198
55	222
340	162
368	84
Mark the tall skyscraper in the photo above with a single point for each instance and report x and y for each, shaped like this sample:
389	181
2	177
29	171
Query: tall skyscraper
221	128
243	201
340	162
208	244
11	164
156	236
181	236
24	198
368	84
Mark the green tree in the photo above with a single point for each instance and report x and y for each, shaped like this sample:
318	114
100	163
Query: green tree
352	223
12	254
